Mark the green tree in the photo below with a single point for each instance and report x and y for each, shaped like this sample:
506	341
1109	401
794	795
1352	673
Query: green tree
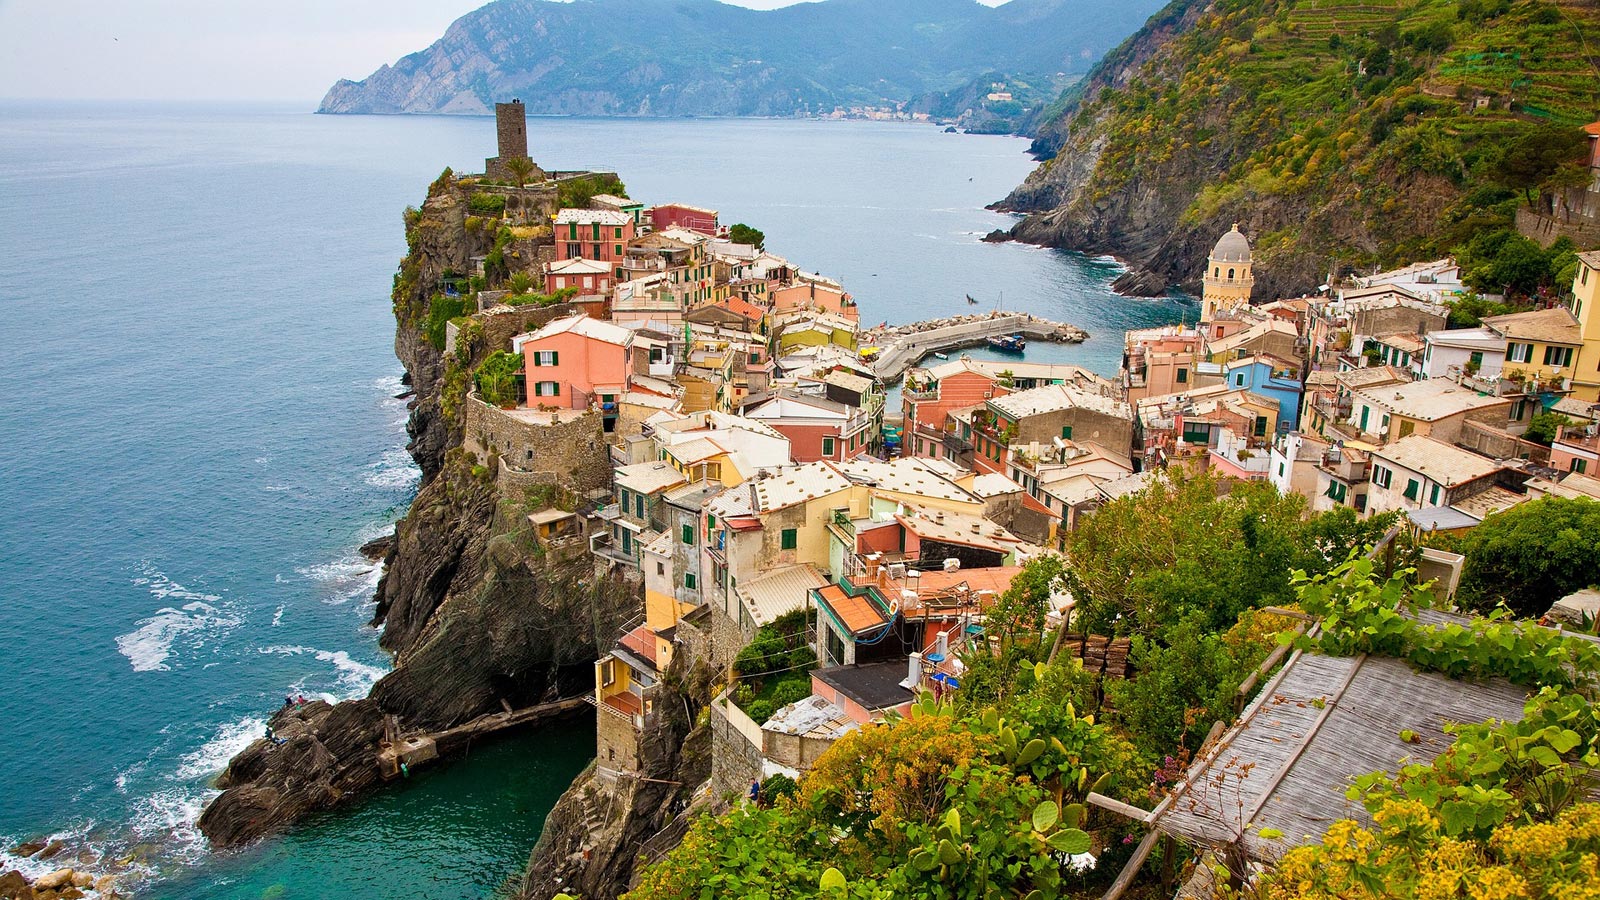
744	234
1531	555
1542	427
498	379
1146	561
521	169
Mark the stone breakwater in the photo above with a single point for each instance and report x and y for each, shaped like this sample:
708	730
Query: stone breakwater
60	884
903	346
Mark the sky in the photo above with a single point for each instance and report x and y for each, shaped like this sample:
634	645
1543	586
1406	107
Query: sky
215	49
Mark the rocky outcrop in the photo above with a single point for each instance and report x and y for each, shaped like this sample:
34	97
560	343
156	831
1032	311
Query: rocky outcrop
315	756
478	617
1379	149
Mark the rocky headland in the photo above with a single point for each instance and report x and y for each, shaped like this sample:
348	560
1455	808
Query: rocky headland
479	619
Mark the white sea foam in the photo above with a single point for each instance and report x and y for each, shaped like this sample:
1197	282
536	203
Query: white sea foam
395	469
149	646
277	617
212	757
352	577
355	678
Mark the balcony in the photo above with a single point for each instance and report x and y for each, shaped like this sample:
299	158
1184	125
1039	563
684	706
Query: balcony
603	546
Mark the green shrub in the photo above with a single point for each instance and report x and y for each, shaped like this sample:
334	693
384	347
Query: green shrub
577	192
440	312
800	660
486	204
762	656
497	379
791	690
760	711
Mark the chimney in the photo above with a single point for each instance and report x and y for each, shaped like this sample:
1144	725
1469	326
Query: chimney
913	672
941	644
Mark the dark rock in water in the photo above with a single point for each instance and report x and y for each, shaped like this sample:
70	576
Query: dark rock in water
997	236
51	850
27	849
327	753
405	395
1140	283
378	548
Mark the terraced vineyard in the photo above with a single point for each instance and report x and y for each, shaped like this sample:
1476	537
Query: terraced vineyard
1344	132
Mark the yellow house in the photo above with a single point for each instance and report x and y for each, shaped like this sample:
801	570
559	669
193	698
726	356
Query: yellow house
1541	345
1586	309
662	610
814	329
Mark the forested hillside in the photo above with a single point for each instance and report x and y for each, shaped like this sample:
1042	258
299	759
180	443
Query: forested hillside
1339	133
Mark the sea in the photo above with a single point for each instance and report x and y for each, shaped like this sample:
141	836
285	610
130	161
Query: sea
202	422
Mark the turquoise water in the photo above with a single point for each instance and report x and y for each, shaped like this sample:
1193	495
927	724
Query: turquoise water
199	428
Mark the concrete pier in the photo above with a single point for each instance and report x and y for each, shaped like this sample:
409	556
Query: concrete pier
903	346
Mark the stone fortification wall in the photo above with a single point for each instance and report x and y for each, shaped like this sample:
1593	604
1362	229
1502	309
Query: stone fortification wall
573	452
735	759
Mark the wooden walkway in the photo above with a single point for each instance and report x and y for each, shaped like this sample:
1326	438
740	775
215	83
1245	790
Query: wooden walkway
903	346
412	750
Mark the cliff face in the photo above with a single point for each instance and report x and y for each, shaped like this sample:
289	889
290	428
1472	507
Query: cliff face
606	828
699	57
478	617
1337	134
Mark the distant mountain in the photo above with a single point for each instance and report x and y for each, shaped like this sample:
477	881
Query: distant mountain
701	57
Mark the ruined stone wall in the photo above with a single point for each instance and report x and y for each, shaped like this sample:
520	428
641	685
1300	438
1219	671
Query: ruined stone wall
1395	320
573	452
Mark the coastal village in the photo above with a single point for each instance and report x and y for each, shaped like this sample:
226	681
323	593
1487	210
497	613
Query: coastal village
807	525
825	512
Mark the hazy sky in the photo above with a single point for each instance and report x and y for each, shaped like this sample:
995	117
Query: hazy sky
214	49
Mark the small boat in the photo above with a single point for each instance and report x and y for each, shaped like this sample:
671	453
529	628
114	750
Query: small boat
939	355
1008	343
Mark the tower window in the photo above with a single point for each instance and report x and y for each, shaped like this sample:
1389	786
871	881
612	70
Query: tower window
1230	274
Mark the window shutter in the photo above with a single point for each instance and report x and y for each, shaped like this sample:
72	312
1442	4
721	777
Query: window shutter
688	534
1413	489
555	358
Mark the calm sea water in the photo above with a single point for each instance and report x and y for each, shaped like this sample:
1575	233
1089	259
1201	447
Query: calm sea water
199	428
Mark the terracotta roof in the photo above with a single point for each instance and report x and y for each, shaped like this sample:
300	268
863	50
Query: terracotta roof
993	580
856	614
640	641
1592	128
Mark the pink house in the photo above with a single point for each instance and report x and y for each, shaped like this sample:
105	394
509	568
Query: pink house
817	428
1576	449
575	363
678	215
930	396
593	234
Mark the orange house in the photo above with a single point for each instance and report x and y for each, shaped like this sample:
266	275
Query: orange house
814	295
931	395
575	363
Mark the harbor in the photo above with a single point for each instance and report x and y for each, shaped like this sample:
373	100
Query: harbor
900	347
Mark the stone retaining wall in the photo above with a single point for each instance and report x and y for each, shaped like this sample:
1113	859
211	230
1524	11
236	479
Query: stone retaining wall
735	759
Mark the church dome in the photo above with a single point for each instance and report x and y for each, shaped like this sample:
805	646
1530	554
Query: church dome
1233	247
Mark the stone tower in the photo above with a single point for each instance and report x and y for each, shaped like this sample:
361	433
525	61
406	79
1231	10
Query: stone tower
1228	277
511	132
511	124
